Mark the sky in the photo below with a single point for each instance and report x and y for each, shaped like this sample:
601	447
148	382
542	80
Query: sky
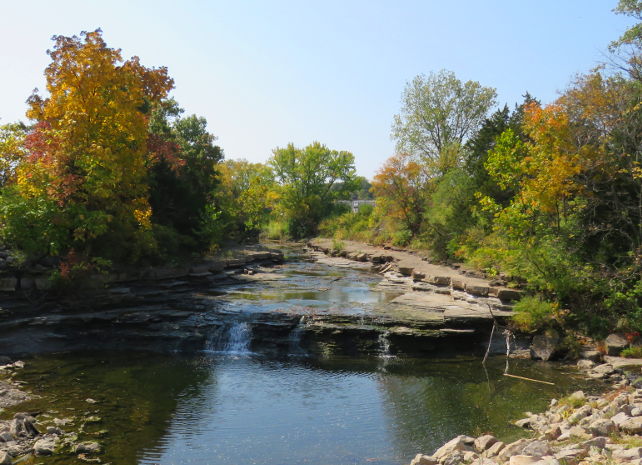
267	73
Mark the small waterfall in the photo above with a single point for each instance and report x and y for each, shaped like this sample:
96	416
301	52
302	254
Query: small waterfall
384	345
294	339
239	338
234	339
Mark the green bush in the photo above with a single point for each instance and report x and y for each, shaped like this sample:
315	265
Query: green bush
277	230
533	314
632	352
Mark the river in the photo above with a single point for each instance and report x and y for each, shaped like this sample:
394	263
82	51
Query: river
232	403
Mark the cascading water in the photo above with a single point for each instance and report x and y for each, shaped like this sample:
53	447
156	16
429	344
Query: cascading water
234	339
294	339
384	345
239	338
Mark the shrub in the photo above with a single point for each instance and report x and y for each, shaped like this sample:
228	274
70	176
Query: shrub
533	314
632	352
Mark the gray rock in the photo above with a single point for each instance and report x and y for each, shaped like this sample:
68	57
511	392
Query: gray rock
88	448
579	414
602	427
553	432
571	455
545	345
619	419
537	449
598	442
628	454
632	425
45	446
592	355
604	369
585	364
615	343
484	442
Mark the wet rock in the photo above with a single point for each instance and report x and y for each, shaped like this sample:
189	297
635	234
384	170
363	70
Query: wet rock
484	442
545	345
615	343
421	459
88	448
44	446
22	425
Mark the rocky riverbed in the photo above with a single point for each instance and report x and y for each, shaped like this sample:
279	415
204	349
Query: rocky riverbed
579	429
41	433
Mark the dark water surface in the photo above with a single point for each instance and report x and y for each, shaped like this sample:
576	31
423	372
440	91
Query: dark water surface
233	410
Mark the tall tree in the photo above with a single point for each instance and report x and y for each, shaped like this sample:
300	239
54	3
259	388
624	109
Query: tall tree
88	152
306	178
438	114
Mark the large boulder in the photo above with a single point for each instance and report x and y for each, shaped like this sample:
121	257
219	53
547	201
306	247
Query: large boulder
484	442
615	343
44	446
545	345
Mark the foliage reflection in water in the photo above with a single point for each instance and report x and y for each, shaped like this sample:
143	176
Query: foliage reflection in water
228	410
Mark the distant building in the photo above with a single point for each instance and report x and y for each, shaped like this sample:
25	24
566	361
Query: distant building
356	204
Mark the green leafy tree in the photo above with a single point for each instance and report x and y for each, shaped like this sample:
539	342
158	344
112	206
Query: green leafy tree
306	179
183	176
438	114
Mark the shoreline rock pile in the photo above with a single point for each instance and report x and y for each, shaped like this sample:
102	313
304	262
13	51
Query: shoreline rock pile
576	430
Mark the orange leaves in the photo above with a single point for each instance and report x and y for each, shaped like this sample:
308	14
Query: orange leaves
401	183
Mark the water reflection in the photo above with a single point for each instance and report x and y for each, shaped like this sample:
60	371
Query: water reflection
246	409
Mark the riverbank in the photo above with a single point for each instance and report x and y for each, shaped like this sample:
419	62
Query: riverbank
579	429
43	432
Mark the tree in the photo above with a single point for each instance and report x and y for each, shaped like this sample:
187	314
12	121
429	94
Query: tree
87	152
183	176
12	150
306	178
400	187
244	196
439	113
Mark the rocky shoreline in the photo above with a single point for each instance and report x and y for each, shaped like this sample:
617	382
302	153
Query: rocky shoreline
40	433
578	429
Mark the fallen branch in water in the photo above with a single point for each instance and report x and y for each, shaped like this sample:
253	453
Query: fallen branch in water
529	379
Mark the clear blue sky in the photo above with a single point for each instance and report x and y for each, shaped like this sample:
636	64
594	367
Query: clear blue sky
265	73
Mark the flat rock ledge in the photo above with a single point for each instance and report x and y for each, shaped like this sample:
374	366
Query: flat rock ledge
426	292
578	429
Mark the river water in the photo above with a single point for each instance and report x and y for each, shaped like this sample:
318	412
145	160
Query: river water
229	406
